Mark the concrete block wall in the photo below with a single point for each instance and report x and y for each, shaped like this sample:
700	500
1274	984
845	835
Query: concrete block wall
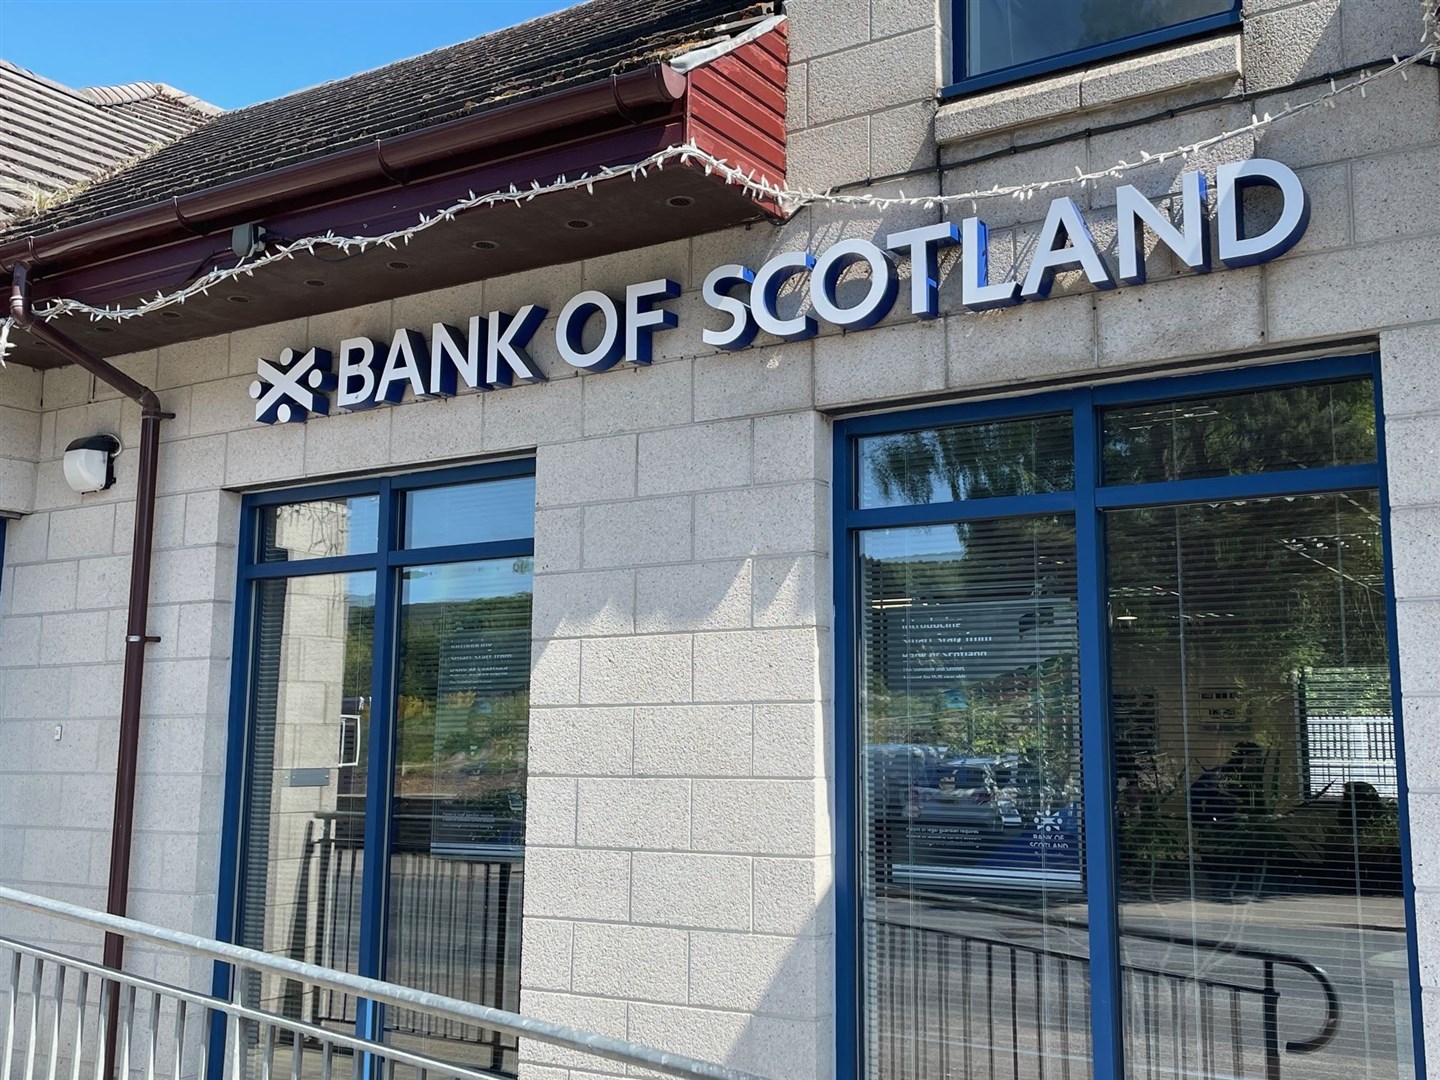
679	883
1411	361
62	632
19	438
678	838
680	672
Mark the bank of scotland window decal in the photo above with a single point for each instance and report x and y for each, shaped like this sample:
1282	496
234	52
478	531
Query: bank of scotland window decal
1120	790
1002	41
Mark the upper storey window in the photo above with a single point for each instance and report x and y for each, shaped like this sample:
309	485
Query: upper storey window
1002	41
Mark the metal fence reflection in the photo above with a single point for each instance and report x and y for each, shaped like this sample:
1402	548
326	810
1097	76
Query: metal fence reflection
955	1005
461	938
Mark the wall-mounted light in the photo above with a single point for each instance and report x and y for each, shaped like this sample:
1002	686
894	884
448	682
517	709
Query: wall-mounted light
90	463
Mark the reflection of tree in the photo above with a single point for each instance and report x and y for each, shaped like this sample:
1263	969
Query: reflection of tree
1246	597
973	461
463	692
1234	603
1289	428
359	649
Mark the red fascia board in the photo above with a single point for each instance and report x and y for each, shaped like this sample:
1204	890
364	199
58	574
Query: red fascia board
624	99
736	108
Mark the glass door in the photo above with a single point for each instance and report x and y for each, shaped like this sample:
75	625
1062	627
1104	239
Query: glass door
1260	892
387	700
458	837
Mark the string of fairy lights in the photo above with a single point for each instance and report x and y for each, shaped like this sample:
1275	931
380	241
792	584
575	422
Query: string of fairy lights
789	200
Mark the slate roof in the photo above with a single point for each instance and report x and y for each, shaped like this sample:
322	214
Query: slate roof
53	137
579	44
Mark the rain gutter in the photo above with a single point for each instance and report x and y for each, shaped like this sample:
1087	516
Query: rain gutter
632	98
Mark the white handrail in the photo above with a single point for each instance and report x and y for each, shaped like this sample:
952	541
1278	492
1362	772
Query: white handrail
546	1031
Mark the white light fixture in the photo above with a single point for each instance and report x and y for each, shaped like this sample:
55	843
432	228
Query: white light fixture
90	463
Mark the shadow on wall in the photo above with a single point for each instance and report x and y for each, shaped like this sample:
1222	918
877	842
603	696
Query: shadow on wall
789	983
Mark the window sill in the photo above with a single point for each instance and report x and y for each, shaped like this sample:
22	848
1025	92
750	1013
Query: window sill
1195	63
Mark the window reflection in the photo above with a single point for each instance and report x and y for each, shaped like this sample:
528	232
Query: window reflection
1256	788
1003	33
319	529
474	513
456	871
973	861
967	461
1261	923
1293	427
309	745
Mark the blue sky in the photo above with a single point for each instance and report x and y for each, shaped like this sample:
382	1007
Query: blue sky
237	52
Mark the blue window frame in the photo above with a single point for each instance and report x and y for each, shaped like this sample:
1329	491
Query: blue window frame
1006	41
1095	506
408	536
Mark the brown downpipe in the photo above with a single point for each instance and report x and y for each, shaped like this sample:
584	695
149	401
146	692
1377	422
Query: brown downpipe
122	826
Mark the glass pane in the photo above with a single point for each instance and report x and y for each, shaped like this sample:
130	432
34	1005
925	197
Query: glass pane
309	743
1003	33
470	513
1297	427
974	936
969	461
1257	799
456	874
319	529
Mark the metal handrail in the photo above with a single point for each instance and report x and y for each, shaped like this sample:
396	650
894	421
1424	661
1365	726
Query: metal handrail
204	1001
545	1031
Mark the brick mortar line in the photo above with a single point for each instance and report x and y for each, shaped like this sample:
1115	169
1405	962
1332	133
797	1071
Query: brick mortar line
723	1010
749	628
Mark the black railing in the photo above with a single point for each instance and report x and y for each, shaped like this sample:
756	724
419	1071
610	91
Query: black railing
950	1004
455	930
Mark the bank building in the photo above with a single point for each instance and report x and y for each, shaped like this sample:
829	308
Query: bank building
876	539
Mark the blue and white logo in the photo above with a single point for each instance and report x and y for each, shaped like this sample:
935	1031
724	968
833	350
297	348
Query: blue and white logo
289	390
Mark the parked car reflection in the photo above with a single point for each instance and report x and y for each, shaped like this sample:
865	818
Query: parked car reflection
986	822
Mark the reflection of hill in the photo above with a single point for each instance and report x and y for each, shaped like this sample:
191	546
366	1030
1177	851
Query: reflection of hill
480	646
464	676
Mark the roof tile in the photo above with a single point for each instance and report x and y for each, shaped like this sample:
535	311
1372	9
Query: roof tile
53	137
576	45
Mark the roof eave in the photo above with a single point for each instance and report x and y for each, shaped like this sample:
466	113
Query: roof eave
375	166
732	107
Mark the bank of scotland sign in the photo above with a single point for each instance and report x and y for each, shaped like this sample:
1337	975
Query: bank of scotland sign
594	330
289	390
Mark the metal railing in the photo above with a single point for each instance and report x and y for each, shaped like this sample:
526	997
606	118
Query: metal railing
57	1008
463	939
951	1004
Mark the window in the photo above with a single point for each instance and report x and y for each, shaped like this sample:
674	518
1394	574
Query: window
1121	795
1001	41
379	746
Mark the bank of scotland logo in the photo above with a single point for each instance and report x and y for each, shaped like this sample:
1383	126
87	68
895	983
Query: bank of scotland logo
288	391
